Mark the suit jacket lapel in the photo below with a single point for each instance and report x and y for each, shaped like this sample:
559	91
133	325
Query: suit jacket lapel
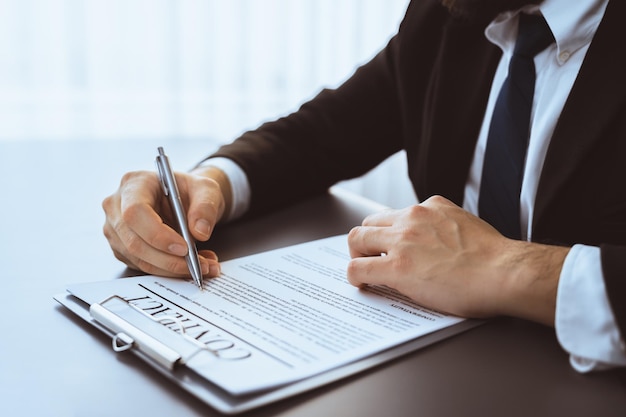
598	93
454	110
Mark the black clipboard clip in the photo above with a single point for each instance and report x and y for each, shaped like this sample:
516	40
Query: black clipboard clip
162	339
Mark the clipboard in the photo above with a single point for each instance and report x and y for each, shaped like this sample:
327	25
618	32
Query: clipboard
168	353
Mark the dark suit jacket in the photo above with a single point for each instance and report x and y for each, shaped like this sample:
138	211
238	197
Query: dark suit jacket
426	92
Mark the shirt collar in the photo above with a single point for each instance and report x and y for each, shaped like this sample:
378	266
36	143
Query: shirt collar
573	24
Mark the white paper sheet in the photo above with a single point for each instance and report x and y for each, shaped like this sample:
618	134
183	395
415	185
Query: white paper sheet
278	316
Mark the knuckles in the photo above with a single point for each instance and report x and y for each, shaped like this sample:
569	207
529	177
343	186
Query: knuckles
133	175
438	200
416	211
107	203
134	245
354	233
352	271
131	214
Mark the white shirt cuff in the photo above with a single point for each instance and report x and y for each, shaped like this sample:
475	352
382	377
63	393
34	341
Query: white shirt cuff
584	322
238	183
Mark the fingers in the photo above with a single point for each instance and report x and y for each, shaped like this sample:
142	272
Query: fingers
396	235
436	253
155	262
369	247
372	270
138	235
205	206
381	219
366	240
138	224
213	262
134	250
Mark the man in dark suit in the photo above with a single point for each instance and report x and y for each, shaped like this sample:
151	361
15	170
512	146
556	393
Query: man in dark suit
432	92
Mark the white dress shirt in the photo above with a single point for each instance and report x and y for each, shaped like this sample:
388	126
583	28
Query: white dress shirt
585	325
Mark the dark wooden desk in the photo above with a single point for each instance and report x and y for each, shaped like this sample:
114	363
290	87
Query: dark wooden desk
55	365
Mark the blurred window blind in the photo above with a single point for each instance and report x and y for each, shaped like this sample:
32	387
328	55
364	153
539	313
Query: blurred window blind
126	69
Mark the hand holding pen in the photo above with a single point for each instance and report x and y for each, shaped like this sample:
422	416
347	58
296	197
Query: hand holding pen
141	226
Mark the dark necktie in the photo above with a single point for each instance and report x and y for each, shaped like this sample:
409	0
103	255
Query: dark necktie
505	154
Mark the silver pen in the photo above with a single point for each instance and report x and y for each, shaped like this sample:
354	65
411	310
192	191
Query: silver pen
168	183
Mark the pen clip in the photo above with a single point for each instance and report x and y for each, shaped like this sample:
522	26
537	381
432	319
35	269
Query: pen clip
161	171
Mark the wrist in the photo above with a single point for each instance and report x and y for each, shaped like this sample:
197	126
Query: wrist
533	272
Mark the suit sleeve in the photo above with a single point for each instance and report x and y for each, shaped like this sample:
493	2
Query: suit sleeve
340	134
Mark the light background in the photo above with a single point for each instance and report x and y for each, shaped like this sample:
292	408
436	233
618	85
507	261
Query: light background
190	69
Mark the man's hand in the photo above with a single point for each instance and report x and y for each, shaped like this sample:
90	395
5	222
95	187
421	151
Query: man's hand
138	219
447	259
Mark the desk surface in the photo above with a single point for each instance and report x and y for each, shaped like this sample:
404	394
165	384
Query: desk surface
55	365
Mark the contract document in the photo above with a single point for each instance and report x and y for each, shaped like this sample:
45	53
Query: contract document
273	318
